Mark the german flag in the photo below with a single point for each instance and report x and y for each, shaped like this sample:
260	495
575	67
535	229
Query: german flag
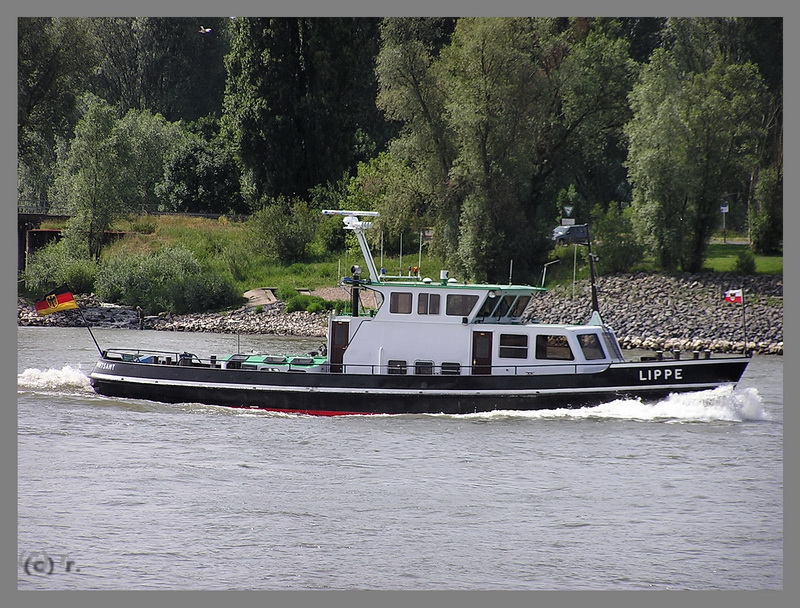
55	301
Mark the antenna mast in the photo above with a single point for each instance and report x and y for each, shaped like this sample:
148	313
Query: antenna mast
352	222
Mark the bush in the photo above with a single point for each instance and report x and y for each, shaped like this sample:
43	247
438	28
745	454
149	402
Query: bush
60	263
745	263
614	238
201	292
285	229
286	293
169	280
308	303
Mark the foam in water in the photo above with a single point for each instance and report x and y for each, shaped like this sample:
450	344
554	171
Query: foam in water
53	379
722	403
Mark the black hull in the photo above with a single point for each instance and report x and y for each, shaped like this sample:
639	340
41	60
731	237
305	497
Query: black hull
340	394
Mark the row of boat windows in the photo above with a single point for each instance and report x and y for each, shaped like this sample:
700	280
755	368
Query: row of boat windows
515	346
457	305
550	347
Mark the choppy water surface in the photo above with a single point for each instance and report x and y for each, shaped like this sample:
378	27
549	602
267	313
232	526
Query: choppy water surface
685	493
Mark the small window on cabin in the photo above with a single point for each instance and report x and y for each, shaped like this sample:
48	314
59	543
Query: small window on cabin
423	368
428	304
504	306
514	346
553	347
400	303
590	345
519	306
396	367
460	305
488	306
450	368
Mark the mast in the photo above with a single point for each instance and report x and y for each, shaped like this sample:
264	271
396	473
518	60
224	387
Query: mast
595	304
352	222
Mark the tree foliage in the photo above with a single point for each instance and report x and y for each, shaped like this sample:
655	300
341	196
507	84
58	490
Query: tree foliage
201	177
54	60
693	137
470	126
492	121
614	238
93	177
298	100
161	64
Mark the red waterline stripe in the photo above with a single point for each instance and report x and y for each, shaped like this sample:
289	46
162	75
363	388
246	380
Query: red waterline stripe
316	412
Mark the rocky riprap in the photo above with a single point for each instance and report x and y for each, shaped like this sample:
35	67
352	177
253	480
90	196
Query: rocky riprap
654	312
247	320
685	312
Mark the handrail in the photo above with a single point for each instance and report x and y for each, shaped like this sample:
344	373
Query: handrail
173	357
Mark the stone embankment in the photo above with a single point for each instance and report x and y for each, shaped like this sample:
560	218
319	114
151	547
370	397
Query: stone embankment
268	319
685	312
653	312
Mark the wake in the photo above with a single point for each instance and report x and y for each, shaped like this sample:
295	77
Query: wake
723	403
65	379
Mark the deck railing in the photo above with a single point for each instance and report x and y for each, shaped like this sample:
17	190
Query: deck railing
416	369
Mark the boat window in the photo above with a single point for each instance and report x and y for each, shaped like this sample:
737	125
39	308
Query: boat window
553	347
460	305
396	367
428	304
504	306
519	306
451	368
400	302
514	346
590	345
423	368
488	306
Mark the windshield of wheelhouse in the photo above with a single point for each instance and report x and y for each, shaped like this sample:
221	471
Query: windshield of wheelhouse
507	308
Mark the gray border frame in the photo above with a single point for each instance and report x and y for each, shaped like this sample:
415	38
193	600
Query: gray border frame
8	510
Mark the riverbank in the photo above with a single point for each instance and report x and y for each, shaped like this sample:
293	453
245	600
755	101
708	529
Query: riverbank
654	312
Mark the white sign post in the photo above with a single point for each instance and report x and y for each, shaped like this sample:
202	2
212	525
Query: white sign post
724	210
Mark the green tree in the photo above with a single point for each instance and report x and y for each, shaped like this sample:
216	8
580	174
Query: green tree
492	122
692	136
201	177
766	215
614	238
299	101
411	92
161	64
54	60
93	178
152	141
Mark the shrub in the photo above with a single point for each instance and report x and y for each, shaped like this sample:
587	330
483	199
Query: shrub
746	262
286	293
285	229
614	238
308	303
60	263
201	292
169	280
143	224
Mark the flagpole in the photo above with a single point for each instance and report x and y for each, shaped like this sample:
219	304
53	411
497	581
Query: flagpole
86	323
744	323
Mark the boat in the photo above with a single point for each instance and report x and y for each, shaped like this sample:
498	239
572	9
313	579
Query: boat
428	347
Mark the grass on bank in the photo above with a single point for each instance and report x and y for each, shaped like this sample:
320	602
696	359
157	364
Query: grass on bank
225	248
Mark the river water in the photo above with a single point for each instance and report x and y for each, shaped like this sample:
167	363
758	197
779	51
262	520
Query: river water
686	493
